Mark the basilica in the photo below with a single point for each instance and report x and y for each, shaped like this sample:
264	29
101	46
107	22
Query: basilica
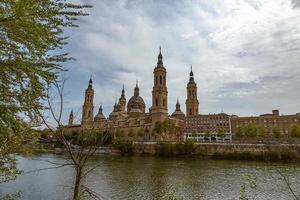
131	117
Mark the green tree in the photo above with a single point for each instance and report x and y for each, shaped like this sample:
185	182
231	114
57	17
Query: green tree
31	33
131	133
261	131
194	133
140	133
294	131
221	133
240	132
119	133
250	130
276	132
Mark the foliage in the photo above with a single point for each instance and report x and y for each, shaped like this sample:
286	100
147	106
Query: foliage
240	132
294	131
119	133
276	132
124	146
140	133
30	33
194	133
175	149
221	133
250	130
161	127
261	132
131	133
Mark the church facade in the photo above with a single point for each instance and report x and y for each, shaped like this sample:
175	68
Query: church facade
131	118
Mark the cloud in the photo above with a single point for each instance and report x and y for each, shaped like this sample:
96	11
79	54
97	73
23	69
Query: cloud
243	52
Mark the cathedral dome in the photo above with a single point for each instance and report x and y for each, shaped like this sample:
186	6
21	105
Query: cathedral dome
136	103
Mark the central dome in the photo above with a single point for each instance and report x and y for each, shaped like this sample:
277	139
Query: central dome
136	103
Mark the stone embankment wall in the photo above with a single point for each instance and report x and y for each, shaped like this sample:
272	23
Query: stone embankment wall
234	151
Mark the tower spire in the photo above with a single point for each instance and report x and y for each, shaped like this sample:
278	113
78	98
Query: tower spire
123	92
191	74
136	89
90	81
160	58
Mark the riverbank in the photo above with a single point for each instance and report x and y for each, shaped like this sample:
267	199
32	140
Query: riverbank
267	152
230	151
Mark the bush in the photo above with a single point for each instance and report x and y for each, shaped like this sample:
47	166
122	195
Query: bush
276	132
124	146
294	131
221	133
261	131
250	130
240	132
178	149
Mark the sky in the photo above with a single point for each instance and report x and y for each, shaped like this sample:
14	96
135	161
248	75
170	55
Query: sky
245	53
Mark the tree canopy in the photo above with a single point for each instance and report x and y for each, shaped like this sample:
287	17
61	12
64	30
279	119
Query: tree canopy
31	41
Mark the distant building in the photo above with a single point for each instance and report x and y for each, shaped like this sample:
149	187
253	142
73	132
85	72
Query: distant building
209	123
268	121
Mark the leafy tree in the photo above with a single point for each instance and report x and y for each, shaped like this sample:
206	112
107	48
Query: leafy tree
31	33
194	133
240	132
221	133
276	132
294	131
119	133
261	132
131	133
250	130
140	133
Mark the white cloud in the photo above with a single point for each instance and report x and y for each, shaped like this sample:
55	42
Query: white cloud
228	42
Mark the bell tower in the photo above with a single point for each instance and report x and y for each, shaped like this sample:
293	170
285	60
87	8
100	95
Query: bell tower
88	106
122	100
159	110
192	103
71	118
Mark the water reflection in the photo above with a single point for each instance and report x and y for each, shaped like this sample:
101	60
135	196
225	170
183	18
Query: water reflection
151	178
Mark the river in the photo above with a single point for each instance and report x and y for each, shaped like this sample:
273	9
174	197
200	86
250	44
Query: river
152	178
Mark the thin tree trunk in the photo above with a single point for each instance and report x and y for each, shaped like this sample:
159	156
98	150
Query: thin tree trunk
77	183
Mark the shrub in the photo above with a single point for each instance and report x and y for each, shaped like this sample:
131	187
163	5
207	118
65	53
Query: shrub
169	149
119	133
131	133
221	133
240	132
124	146
250	130
294	131
261	131
276	132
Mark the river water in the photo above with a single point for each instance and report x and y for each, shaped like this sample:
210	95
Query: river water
152	178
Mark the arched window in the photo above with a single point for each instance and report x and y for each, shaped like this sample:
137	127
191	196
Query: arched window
193	93
160	80
190	111
190	94
90	99
164	80
156	80
89	113
156	102
164	102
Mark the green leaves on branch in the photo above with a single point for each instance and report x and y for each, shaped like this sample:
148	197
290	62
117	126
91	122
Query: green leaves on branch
31	39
